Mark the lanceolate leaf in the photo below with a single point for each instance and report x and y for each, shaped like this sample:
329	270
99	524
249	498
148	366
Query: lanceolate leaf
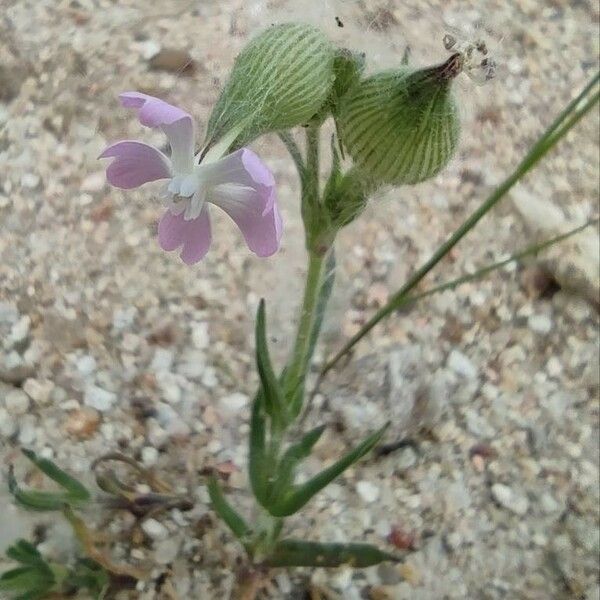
299	495
24	552
231	517
298	553
34	499
75	489
290	459
271	390
74	493
257	465
29	579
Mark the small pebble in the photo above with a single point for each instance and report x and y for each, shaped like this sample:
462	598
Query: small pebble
8	425
461	365
540	324
155	530
509	499
368	491
16	402
99	398
83	422
39	390
30	180
149	455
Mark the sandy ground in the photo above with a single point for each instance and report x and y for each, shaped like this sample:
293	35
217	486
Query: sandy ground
109	343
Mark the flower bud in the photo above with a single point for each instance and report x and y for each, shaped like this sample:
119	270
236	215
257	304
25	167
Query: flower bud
345	196
402	127
280	80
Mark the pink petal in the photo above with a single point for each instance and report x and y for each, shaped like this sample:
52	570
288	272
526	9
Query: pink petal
244	187
135	163
175	122
195	235
255	212
243	167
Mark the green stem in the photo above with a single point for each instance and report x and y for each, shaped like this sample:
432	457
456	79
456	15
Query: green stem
532	250
565	121
301	354
292	148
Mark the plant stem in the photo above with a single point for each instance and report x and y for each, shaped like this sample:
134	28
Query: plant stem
301	353
292	148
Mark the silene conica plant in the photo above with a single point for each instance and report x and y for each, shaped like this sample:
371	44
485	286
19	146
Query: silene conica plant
393	128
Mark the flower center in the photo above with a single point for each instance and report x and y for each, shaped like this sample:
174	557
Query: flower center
185	194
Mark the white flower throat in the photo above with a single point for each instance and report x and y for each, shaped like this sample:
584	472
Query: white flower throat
189	190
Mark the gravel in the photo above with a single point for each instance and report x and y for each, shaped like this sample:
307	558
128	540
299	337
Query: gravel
107	343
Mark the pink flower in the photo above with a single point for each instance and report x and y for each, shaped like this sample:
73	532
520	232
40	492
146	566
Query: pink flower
239	183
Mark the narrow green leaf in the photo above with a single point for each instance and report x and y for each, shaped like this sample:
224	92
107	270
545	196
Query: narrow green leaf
75	493
232	518
290	460
298	553
26	579
75	489
35	499
301	494
272	392
24	552
89	575
257	462
529	251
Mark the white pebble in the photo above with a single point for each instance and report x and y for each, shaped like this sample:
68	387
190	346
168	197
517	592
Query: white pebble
155	530
540	324
554	366
200	337
30	180
510	500
94	182
8	426
98	398
368	491
234	403
38	390
86	365
461	365
17	402
19	331
149	455
166	551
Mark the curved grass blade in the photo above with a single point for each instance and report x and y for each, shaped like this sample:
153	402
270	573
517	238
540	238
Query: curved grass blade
257	459
290	460
230	516
76	490
301	494
529	251
271	390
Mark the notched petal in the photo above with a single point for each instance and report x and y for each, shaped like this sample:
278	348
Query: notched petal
194	237
134	164
175	122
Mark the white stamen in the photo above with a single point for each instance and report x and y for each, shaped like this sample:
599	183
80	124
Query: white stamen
188	186
194	206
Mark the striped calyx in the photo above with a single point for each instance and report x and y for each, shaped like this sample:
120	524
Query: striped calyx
402	127
280	80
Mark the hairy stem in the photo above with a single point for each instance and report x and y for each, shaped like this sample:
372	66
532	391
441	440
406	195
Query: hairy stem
301	353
